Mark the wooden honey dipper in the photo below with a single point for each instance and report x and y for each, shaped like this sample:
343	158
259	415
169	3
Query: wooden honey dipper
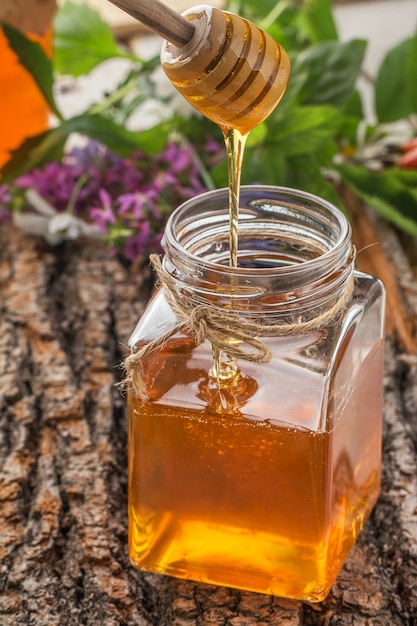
226	67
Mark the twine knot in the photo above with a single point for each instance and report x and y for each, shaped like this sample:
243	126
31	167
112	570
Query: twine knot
198	323
236	336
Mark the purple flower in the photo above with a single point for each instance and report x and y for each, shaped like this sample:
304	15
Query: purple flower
4	194
54	182
214	151
103	216
93	153
139	243
5	198
127	199
179	158
130	177
137	203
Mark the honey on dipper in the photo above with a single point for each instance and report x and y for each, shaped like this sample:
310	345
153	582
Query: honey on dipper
255	378
231	71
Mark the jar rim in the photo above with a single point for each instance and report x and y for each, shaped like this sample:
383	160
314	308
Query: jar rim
173	245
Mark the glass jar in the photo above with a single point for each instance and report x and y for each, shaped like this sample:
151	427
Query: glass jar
256	470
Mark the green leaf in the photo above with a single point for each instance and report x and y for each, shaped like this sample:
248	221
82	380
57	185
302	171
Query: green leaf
33	152
82	40
151	140
265	165
257	135
197	129
354	106
388	211
115	137
306	129
392	89
49	145
291	95
411	75
391	192
331	70
218	174
318	22
407	177
270	165
251	8
34	59
304	172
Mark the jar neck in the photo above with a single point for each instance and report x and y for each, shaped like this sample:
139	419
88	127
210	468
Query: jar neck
295	257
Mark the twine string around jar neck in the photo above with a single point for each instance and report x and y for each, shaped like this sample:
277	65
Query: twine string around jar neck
227	331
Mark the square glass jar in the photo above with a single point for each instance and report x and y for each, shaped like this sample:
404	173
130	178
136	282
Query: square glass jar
256	464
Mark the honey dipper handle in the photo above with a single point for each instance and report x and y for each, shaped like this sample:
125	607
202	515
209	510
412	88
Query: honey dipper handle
160	18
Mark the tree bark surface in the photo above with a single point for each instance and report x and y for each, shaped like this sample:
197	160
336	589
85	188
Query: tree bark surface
65	316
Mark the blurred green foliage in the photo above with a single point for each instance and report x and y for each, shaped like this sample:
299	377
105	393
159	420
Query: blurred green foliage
318	130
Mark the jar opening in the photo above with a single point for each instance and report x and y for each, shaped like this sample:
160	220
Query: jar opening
293	247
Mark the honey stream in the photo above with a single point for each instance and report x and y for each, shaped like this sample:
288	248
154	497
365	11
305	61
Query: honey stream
235	79
235	146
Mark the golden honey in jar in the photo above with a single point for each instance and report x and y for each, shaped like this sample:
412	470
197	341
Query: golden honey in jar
257	473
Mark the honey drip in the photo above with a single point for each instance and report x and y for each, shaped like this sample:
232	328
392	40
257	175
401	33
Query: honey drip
236	80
